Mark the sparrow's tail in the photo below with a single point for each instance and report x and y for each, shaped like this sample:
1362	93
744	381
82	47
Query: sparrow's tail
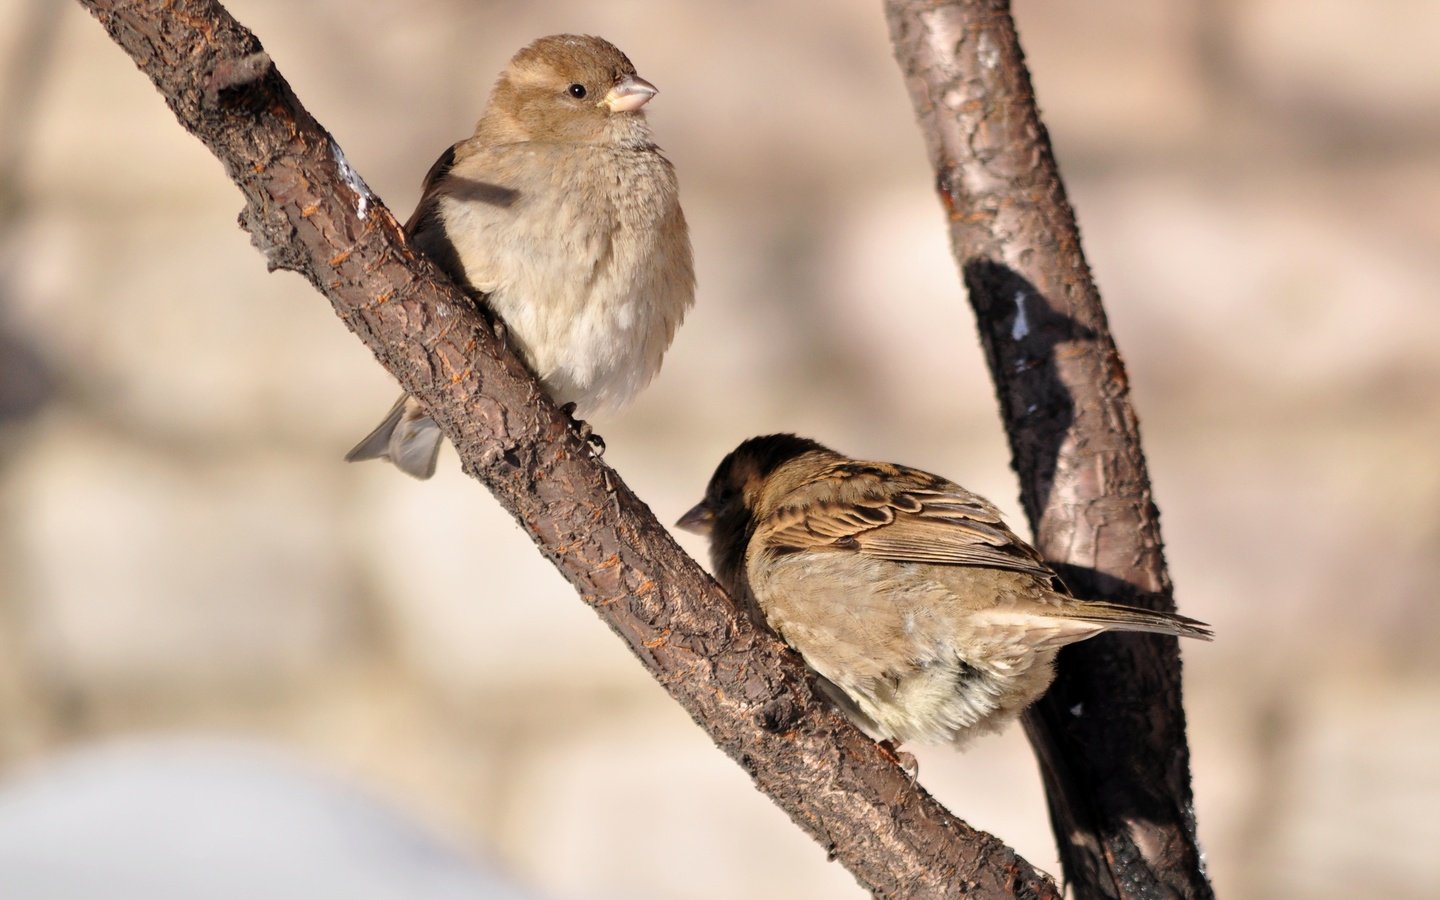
407	437
1102	616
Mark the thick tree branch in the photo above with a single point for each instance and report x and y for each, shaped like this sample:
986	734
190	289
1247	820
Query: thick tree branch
1111	732
308	211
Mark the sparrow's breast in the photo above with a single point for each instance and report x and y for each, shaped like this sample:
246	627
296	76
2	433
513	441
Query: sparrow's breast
590	267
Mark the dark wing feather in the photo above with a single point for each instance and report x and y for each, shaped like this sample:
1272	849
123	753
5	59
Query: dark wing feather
901	515
426	228
429	196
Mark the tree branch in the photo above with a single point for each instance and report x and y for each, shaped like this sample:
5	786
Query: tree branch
1110	734
307	210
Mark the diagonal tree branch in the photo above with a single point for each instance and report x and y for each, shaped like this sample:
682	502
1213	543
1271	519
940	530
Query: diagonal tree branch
307	210
1110	734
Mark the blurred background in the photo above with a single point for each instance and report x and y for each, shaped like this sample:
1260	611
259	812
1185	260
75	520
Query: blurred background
185	558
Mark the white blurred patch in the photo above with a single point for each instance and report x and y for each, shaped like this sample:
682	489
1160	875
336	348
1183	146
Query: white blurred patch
197	818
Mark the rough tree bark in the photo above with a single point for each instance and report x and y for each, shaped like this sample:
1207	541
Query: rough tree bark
308	211
1110	734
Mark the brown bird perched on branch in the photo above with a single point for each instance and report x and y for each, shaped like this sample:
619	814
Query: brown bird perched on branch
926	618
563	215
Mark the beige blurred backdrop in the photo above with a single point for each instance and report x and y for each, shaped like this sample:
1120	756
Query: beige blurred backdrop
182	549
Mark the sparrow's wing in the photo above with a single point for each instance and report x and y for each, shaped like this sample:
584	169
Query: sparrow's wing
426	226
424	214
470	172
899	514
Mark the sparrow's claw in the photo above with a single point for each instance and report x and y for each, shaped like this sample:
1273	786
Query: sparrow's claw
891	751
583	429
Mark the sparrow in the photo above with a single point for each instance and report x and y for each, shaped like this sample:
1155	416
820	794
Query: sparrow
561	215
924	616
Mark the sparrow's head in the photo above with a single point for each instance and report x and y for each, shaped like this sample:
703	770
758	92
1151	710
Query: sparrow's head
569	89
736	493
738	488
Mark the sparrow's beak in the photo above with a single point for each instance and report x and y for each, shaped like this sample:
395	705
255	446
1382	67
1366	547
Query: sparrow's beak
699	519
629	95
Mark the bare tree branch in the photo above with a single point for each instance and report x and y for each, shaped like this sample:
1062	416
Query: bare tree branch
308	211
1110	734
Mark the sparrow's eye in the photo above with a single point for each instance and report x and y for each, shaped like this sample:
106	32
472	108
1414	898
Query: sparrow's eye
727	496
577	91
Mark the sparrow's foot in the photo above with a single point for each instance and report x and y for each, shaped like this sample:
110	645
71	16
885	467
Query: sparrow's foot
891	751
597	447
583	429
501	331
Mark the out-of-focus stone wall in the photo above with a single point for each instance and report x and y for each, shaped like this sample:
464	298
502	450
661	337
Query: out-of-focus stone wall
182	549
